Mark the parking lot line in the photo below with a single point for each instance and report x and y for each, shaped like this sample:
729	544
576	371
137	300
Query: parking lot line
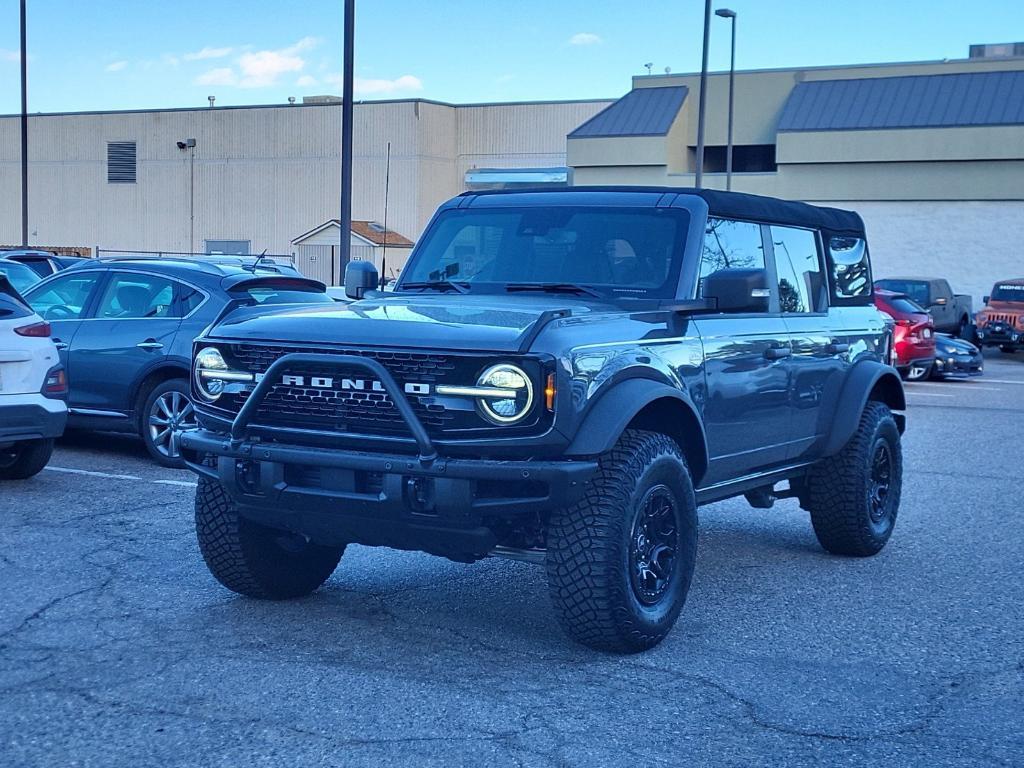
973	387
1004	381
927	394
113	476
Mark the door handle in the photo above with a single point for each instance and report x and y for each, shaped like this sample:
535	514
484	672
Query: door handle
60	345
777	353
837	348
149	345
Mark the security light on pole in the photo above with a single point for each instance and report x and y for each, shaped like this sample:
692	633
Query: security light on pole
725	13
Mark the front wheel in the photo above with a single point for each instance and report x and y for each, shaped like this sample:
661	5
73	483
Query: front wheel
620	561
1006	349
25	459
252	559
854	496
917	372
166	411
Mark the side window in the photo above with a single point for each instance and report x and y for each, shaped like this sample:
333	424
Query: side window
730	245
851	272
130	296
801	282
188	300
63	298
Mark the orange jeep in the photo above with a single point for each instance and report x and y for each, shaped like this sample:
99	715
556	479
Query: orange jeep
1001	322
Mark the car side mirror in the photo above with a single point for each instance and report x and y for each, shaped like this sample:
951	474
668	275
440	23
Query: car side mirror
738	290
986	299
360	277
940	302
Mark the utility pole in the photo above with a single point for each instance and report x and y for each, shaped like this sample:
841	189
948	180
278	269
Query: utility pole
703	95
725	13
384	250
345	219
24	129
192	196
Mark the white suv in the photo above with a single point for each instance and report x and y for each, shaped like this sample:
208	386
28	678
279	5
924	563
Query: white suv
32	388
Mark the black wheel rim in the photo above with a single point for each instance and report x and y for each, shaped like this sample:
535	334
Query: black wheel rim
654	544
880	484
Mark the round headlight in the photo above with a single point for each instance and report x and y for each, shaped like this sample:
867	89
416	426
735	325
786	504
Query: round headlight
209	360
516	400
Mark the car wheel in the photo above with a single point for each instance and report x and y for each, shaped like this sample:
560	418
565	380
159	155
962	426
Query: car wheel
252	559
166	411
918	372
25	459
966	331
1006	349
854	496
620	561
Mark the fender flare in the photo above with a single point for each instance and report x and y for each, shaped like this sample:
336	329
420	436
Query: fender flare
613	410
864	378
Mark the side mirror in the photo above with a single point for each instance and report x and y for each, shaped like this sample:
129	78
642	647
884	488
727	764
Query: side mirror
360	277
738	290
986	299
940	302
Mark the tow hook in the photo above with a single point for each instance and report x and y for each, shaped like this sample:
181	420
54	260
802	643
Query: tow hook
419	494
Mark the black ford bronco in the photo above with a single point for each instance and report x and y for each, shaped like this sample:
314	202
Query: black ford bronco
561	377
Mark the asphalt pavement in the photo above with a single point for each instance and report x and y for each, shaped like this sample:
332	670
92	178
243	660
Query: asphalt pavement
117	648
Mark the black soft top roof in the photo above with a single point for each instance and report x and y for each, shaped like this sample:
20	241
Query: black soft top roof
735	205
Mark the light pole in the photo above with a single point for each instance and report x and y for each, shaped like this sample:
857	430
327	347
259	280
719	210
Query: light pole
703	95
24	129
725	13
190	145
345	217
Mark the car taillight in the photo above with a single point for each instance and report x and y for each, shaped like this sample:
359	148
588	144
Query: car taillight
56	384
40	330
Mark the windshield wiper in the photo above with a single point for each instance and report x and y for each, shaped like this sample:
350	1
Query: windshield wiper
439	285
553	288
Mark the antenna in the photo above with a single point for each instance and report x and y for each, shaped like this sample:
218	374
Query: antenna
384	251
256	263
211	99
649	65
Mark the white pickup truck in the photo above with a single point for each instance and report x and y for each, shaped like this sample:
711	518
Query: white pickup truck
32	388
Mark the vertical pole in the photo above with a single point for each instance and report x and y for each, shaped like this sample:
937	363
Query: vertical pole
384	251
345	219
192	201
703	95
24	129
732	78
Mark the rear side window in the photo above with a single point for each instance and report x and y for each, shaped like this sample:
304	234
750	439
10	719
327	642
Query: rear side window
189	300
850	270
801	282
730	245
134	297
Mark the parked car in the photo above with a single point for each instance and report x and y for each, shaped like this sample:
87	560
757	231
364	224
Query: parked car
913	335
956	358
32	388
124	329
1001	322
43	263
20	276
951	312
560	377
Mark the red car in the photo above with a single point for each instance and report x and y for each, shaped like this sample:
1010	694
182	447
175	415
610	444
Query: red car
914	335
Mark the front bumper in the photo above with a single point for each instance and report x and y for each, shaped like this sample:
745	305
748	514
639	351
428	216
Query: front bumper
444	506
31	417
1000	336
959	366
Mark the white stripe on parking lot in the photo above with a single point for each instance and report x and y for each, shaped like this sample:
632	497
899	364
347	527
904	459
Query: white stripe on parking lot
112	476
926	394
967	387
1004	381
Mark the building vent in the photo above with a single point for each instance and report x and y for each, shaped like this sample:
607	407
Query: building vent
121	162
997	51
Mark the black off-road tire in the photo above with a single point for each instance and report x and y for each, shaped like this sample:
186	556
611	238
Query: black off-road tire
839	489
590	546
254	560
25	459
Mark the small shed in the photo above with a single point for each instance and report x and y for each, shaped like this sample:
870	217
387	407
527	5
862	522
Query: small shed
316	251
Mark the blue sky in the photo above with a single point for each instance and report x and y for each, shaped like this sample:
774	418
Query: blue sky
131	55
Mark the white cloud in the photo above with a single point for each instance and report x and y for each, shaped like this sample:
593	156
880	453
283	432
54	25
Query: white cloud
208	53
260	69
218	76
372	86
585	38
305	81
116	66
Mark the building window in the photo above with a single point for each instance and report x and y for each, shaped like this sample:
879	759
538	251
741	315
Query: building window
120	162
228	247
746	158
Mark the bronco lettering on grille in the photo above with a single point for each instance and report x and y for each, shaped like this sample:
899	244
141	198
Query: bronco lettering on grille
355	385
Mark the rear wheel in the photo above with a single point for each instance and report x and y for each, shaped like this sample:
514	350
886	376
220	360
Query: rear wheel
167	410
854	496
252	559
25	459
1006	349
917	372
620	561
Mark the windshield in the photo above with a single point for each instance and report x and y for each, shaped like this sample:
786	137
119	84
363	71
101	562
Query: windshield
613	251
21	277
1008	292
906	306
915	289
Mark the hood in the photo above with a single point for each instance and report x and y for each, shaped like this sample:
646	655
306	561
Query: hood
443	321
950	345
1005	307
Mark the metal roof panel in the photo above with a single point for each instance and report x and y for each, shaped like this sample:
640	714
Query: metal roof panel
641	112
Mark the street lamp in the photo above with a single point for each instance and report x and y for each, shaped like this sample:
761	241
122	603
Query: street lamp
190	145
703	95
725	13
